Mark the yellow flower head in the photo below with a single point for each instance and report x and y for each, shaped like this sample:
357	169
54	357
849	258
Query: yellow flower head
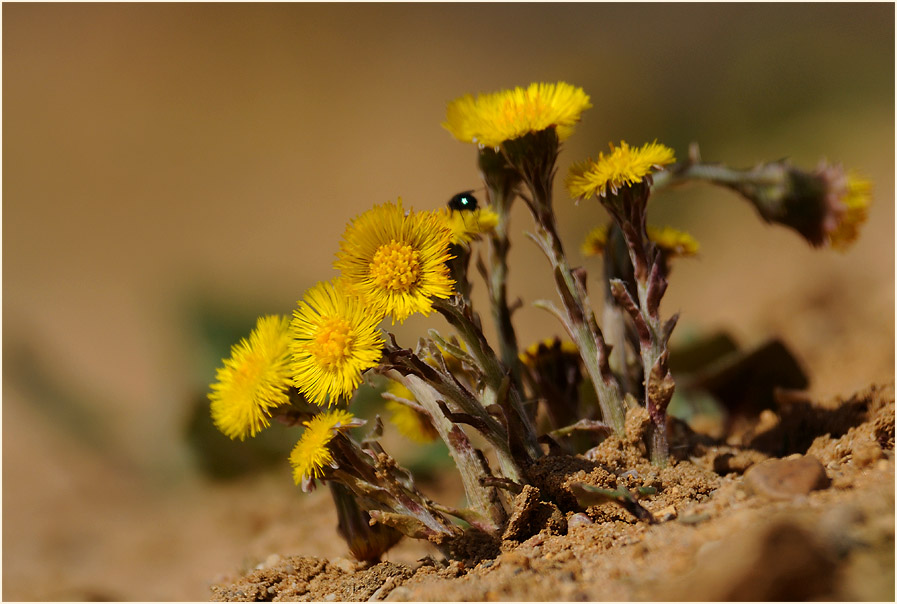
595	241
491	119
409	422
668	239
856	199
334	340
312	453
396	261
673	242
467	225
539	351
623	166
253	381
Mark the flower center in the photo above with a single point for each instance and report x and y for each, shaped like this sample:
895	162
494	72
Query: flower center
396	266
333	342
249	372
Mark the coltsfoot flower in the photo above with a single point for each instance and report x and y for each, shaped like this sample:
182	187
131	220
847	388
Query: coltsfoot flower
410	423
595	241
623	166
254	380
490	119
672	241
395	261
312	453
537	352
468	225
334	339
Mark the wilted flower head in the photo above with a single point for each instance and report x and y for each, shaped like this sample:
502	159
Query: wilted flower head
395	261
334	340
491	119
854	197
254	380
312	453
623	166
826	206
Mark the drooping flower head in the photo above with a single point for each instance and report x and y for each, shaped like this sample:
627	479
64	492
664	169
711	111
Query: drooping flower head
395	261
410	422
334	339
312	453
623	166
493	118
826	205
254	380
468	225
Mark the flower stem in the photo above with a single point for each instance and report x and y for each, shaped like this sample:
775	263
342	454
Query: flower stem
521	432
481	499
582	326
497	285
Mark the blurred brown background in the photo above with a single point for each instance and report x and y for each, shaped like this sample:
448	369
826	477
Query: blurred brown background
171	171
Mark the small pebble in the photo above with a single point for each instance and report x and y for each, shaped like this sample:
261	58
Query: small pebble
330	597
667	513
344	564
786	478
578	519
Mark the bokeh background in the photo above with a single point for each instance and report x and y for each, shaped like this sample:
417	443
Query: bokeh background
172	171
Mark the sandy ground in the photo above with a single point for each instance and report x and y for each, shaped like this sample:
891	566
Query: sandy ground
732	524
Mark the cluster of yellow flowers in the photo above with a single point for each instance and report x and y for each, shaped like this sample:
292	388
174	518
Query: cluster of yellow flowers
394	262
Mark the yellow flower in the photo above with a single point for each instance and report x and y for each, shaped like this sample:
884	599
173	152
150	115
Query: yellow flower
673	242
334	340
595	241
312	453
538	351
410	423
856	199
253	381
623	166
490	119
467	225
396	262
